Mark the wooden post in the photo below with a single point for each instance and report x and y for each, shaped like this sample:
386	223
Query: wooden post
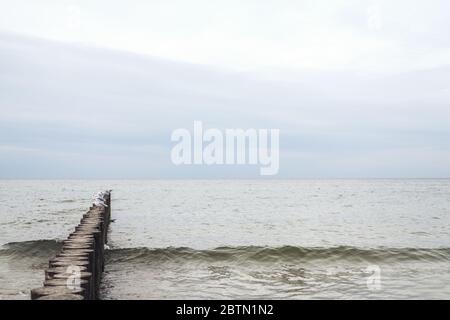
81	256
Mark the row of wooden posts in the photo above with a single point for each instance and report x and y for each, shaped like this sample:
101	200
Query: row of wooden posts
76	271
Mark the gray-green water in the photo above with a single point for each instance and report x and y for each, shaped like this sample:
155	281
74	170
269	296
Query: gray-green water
293	239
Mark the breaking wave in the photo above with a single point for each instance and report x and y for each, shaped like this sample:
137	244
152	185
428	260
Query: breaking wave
27	249
41	248
274	254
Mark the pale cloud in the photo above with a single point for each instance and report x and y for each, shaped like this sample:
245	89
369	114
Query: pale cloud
370	35
357	88
71	111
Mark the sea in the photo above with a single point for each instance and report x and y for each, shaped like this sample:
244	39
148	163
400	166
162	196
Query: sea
239	239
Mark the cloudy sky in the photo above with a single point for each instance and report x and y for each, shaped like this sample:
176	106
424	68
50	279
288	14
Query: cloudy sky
93	89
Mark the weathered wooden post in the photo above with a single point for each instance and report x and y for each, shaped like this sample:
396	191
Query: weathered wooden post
76	271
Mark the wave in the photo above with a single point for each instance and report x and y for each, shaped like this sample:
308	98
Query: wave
33	248
43	248
274	254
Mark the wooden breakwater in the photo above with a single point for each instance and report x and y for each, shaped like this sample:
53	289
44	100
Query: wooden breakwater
76	271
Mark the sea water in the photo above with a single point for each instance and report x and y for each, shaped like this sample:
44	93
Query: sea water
226	239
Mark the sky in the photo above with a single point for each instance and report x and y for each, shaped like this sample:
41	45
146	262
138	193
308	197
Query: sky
320	34
93	89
